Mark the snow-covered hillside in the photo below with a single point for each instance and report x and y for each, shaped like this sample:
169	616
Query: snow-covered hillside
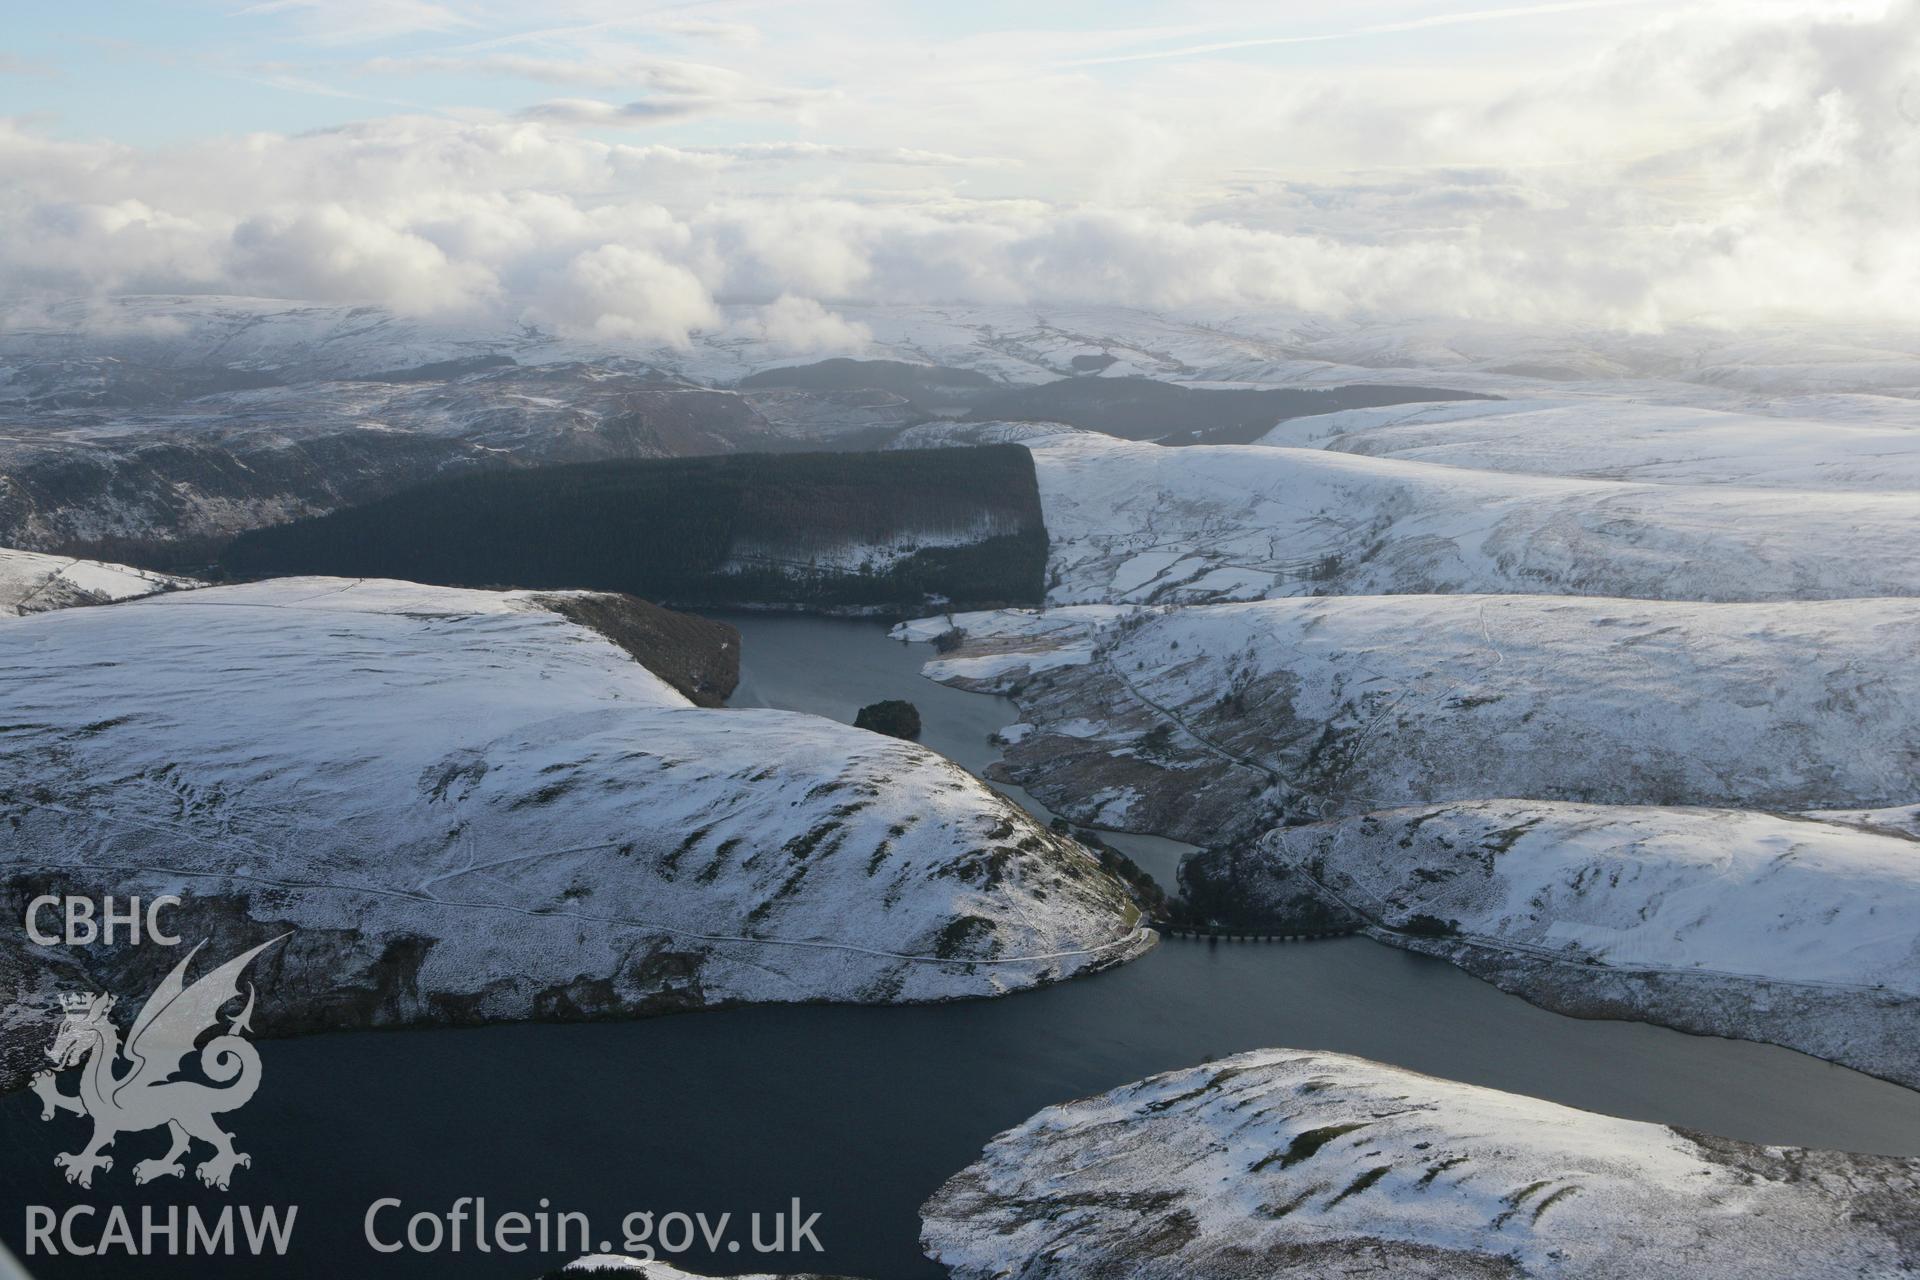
173	462
1140	522
167	417
467	807
34	583
1691	365
1875	446
1716	921
1901	819
1201	722
1284	1162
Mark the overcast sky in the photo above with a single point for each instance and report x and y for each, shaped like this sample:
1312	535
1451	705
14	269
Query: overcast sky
625	168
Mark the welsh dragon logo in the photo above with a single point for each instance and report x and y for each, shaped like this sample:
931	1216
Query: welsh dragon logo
131	1087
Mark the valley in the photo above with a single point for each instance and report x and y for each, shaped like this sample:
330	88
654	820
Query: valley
1572	675
152	430
442	1103
954	642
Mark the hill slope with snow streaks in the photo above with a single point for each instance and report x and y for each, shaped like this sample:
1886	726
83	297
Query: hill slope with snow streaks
35	583
1605	438
1715	921
1206	722
467	808
1285	1162
1150	524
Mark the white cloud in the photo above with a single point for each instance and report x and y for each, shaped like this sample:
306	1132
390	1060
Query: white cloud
1544	8
627	295
806	152
800	326
671	104
669	88
593	113
1722	164
351	21
717	29
604	67
335	254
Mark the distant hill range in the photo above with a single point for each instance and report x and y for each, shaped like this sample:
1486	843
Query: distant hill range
1167	413
927	384
149	430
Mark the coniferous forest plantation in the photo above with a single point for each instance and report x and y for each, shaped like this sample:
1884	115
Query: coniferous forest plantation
864	531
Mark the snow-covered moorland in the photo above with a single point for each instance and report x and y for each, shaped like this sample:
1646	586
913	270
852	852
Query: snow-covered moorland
35	583
297	340
162	417
1207	722
1283	1162
468	807
1715	921
1902	819
1128	521
1856	443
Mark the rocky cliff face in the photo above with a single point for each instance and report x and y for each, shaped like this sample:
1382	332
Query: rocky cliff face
1292	1163
699	657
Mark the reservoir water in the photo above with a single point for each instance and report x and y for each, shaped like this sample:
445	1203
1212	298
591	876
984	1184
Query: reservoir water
834	666
861	1113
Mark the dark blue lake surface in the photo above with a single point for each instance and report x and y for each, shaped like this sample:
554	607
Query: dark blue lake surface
861	1113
